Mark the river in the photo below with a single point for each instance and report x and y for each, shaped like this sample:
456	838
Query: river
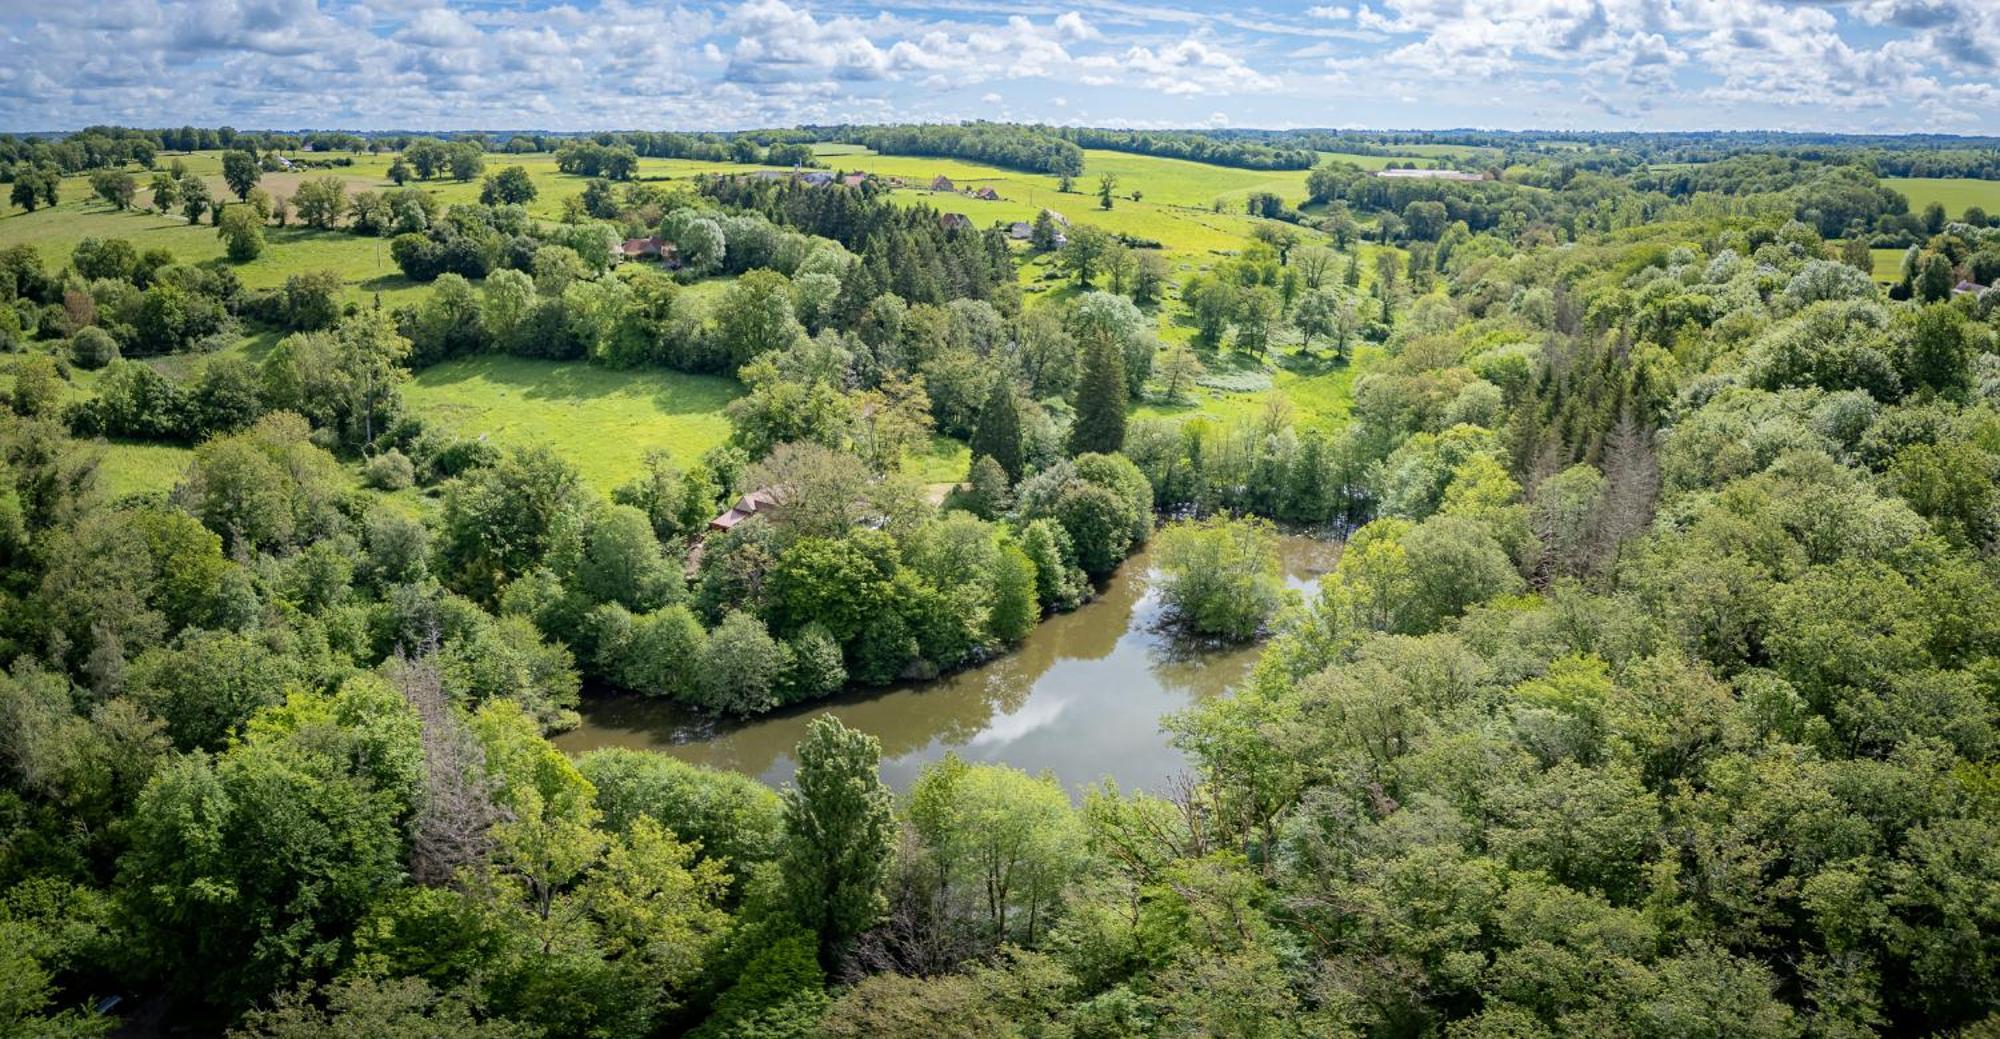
1081	697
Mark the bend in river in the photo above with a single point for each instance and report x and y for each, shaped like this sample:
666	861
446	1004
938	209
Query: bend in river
1082	697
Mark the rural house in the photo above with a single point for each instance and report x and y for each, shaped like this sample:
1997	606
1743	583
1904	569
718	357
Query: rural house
955	221
986	195
1020	230
942	183
761	501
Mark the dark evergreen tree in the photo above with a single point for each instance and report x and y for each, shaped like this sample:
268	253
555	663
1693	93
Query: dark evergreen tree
1100	397
998	435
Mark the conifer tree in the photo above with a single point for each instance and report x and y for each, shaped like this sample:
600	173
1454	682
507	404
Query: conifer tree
1100	397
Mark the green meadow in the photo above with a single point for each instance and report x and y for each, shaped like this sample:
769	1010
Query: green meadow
1954	193
608	421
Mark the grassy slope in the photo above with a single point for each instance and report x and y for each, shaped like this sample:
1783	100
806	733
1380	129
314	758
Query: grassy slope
1956	193
603	420
607	421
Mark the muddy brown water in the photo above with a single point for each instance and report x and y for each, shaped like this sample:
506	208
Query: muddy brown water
1082	697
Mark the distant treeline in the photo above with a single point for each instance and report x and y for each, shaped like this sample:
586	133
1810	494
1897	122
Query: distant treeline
1199	147
1037	149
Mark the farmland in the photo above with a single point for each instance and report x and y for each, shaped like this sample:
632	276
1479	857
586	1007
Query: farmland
1955	194
604	421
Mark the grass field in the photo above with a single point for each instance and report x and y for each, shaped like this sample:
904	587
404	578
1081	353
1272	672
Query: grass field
603	420
608	421
1888	263
1955	193
127	468
1320	392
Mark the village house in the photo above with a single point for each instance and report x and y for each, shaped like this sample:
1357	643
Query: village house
762	501
955	221
986	195
942	183
817	178
1020	230
854	180
654	248
1967	287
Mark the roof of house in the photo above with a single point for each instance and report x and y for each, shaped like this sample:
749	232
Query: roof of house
1968	285
643	246
855	180
986	193
1020	229
817	178
763	499
941	183
1057	217
955	220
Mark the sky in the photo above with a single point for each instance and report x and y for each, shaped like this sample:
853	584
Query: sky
1858	66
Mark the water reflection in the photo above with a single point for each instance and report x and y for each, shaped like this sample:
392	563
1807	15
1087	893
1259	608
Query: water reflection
1082	697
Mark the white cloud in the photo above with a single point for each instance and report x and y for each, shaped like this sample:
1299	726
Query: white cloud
576	64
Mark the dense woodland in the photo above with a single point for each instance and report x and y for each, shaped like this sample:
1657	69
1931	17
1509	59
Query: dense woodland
1654	693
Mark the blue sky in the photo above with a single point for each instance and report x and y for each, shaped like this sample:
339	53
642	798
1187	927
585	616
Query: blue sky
1866	65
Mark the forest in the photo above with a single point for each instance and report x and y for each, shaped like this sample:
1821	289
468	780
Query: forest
1655	691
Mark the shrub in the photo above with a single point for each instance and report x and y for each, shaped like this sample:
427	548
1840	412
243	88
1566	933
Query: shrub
390	471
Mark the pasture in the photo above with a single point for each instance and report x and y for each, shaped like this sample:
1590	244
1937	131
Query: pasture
1954	193
605	421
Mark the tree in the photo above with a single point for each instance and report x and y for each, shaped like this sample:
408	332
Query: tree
1317	316
1257	317
241	172
400	171
1221	575
194	197
998	435
1042	234
839	834
1178	373
320	202
166	191
114	186
242	233
27	191
1106	184
1100	396
511	186
740	667
1083	253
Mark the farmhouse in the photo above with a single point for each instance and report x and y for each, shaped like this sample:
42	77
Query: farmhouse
955	221
817	178
1968	287
942	183
654	248
854	180
986	195
1020	230
762	501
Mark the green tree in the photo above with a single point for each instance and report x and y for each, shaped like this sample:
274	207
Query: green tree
740	667
839	834
1083	255
194	198
998	435
509	187
1221	575
242	233
114	186
1106	184
1100	397
241	172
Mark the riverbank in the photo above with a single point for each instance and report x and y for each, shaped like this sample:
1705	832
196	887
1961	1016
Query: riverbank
1082	697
